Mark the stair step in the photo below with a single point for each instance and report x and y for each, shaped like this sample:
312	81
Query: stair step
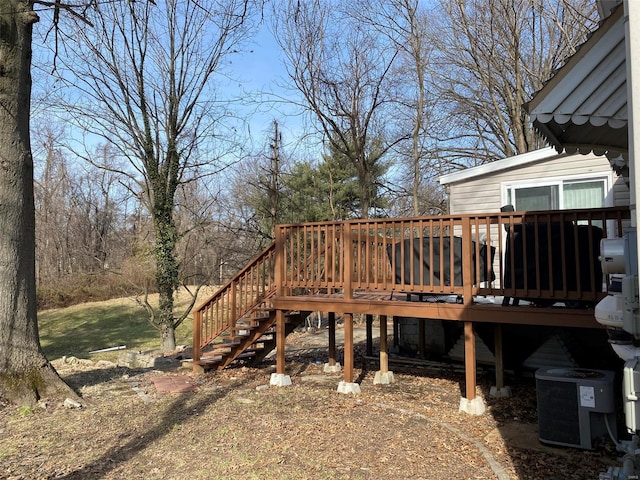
247	321
246	354
209	360
242	331
222	351
212	355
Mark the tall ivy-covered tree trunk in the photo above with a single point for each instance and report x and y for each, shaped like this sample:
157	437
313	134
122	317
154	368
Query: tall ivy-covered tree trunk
25	373
166	273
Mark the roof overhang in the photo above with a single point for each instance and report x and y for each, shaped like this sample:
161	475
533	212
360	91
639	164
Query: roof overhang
583	107
491	168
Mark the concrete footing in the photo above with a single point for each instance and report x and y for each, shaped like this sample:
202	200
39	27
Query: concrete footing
383	378
346	387
503	392
332	368
472	407
280	380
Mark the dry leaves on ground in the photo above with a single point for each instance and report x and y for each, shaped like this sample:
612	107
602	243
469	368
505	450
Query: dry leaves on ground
235	427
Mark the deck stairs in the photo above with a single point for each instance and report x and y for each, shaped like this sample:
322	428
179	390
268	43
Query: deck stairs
237	323
251	339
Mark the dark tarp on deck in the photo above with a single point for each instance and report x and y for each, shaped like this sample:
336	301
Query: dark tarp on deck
533	250
410	270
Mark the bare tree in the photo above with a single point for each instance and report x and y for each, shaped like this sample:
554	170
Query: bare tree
25	373
492	55
405	23
343	69
142	79
52	191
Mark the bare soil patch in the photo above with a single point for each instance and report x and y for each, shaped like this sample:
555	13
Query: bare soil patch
235	426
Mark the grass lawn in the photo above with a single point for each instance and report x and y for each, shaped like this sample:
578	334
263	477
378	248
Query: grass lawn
80	329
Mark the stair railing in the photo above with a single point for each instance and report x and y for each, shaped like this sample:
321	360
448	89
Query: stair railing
246	292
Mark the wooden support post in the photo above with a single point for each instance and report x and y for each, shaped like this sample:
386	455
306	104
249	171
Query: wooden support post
332	338
348	267
197	339
467	259
348	347
499	356
369	322
470	360
421	346
280	339
279	267
384	355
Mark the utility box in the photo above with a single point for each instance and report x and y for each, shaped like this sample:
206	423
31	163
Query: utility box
576	406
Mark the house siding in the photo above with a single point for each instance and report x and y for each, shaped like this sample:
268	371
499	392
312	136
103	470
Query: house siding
484	193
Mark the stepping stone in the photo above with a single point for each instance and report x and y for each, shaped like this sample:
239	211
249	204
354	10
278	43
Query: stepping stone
174	384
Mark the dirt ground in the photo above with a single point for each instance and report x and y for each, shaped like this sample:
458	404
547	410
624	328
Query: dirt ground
233	425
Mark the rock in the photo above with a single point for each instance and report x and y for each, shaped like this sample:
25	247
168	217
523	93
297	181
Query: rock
105	364
71	403
132	359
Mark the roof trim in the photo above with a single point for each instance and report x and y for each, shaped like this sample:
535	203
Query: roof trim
535	156
583	107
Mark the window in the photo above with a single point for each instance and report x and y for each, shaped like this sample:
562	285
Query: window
558	195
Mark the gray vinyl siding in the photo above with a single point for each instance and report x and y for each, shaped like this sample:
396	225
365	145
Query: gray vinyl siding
483	194
621	195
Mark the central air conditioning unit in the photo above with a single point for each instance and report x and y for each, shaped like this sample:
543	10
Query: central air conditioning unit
575	406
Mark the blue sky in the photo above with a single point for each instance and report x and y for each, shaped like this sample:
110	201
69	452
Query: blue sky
257	69
260	71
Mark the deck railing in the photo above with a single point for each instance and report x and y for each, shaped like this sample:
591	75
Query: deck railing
542	256
248	290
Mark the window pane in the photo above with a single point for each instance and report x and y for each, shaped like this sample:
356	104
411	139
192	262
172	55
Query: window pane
537	198
584	194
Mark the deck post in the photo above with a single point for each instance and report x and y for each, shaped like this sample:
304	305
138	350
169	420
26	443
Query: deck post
348	385
470	360
348	347
279	262
467	262
498	355
499	390
347	249
369	322
471	404
197	339
280	378
233	317
332	366
383	376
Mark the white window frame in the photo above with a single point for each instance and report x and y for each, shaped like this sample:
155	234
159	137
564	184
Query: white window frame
607	178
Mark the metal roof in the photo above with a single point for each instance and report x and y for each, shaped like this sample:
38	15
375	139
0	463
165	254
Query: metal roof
583	108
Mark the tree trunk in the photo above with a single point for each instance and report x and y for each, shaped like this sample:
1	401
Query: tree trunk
166	275
25	373
168	337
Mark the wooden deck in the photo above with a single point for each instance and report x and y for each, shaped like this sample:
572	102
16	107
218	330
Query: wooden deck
488	262
486	310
